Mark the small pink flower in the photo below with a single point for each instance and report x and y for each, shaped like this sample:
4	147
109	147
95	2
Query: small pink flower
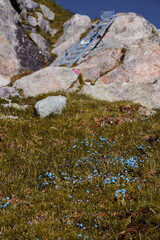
77	71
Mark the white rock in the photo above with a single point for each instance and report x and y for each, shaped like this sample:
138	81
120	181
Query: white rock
32	21
49	79
53	104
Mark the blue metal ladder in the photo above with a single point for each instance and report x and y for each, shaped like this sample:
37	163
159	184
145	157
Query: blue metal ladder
90	41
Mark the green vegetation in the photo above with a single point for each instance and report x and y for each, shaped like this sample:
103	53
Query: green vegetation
83	35
92	173
154	32
61	16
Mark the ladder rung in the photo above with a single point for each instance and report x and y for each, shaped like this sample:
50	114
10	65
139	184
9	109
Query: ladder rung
76	53
70	58
81	47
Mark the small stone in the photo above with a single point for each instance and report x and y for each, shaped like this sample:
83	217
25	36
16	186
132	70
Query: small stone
146	111
9	117
6	92
15	105
32	21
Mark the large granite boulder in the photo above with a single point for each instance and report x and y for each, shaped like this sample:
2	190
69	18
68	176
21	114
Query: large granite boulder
126	66
102	63
127	30
72	29
144	94
49	79
141	64
52	104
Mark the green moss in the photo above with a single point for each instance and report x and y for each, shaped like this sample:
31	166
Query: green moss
83	35
154	32
61	16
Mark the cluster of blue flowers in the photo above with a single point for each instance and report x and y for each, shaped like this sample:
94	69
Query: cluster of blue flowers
4	202
93	164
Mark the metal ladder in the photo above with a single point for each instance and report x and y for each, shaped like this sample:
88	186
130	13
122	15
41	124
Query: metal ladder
90	41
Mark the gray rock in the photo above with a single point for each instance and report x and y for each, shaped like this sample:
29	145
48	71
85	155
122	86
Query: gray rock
3	81
32	21
16	51
9	64
52	31
6	92
7	13
47	12
138	93
15	105
49	105
62	48
73	29
141	64
41	44
128	29
44	24
27	53
49	79
28	5
100	64
78	24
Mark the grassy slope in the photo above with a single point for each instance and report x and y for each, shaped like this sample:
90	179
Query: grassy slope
75	202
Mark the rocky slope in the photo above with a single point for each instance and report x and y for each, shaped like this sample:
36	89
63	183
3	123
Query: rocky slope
26	31
124	66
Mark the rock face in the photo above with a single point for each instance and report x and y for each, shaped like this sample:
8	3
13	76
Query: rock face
127	65
49	105
47	12
9	64
102	63
49	79
41	44
144	94
73	29
16	51
27	53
